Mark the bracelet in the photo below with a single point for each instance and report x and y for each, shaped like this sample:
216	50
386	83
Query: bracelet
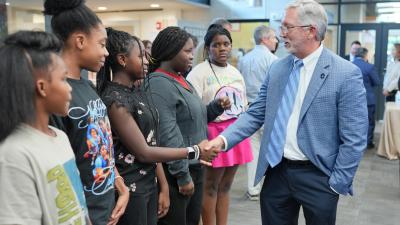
120	177
197	151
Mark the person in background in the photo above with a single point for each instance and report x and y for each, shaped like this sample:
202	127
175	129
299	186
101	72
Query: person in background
392	75
371	80
134	121
37	164
276	45
212	79
147	47
86	124
195	43
183	121
254	68
314	108
199	54
353	48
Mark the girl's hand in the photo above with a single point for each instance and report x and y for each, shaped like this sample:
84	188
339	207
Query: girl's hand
224	102
163	203
120	206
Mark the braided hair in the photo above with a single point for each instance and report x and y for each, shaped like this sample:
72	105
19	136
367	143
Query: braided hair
118	42
167	45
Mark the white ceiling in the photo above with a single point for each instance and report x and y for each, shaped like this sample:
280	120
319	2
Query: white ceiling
114	4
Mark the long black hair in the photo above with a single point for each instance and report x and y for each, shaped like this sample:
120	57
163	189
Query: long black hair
70	16
167	45
118	42
214	30
22	54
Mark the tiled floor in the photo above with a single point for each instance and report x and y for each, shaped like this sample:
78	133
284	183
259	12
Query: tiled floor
376	199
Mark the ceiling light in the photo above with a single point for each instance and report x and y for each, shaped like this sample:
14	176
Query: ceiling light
154	5
7	3
102	8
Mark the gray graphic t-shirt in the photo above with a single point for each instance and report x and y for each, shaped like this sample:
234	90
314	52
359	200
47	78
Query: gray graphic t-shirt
39	180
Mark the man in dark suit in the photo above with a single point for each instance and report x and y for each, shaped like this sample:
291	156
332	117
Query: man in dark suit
371	80
353	48
313	106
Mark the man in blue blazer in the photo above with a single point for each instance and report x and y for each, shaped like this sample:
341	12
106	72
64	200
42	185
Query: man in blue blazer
314	109
371	80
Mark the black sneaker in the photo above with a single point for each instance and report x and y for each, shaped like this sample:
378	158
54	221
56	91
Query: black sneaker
371	145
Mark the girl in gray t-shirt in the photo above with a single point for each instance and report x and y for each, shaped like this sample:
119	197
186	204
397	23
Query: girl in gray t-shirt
39	179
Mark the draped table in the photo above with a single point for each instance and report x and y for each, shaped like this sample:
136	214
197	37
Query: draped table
389	143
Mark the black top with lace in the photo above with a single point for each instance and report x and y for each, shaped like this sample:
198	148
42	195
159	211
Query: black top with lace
138	176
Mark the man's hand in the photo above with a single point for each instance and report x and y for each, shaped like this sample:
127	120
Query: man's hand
385	93
224	102
216	144
163	203
207	154
187	189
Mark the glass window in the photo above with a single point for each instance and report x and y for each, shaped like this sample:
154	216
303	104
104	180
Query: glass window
393	38
24	19
330	40
385	12
332	12
367	39
358	13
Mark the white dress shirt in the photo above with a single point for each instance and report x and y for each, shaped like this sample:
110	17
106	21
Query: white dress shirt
291	150
254	67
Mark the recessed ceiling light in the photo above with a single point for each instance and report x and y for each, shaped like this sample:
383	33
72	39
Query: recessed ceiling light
102	8
7	3
154	5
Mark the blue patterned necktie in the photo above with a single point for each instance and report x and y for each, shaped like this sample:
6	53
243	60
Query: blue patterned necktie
278	135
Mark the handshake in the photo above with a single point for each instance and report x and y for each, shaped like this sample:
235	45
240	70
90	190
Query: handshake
209	150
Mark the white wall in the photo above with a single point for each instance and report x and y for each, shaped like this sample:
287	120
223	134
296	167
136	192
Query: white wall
141	24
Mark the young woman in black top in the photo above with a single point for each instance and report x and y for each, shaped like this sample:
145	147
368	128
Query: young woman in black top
134	121
87	125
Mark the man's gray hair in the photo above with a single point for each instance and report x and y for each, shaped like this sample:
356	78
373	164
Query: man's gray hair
262	31
311	12
361	52
220	21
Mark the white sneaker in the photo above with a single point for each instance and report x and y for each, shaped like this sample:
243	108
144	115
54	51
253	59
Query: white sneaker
252	197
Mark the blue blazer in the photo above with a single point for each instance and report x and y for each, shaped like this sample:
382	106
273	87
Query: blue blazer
370	78
333	123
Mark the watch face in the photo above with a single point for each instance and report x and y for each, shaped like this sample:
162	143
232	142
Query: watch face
191	155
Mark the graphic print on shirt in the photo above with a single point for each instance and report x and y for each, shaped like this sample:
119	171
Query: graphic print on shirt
70	199
99	141
235	97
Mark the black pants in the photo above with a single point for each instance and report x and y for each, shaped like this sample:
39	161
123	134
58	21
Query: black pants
288	186
141	209
392	96
100	207
184	210
371	123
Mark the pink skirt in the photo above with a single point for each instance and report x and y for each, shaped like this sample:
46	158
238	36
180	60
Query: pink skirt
238	155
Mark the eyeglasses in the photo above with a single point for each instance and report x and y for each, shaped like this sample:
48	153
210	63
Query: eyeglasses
285	29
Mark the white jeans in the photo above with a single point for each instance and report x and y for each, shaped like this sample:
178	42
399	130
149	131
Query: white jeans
252	166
